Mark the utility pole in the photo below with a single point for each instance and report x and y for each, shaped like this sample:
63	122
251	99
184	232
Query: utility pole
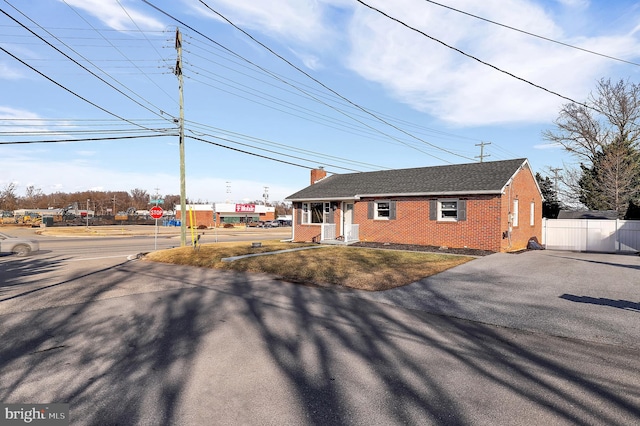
183	185
555	172
114	206
482	155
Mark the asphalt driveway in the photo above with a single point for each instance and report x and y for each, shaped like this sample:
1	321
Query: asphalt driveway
589	296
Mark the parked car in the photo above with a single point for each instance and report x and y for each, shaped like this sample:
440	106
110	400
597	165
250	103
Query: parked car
271	224
255	224
17	246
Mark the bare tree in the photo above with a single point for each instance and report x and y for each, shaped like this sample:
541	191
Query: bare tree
603	134
8	197
34	197
613	115
140	198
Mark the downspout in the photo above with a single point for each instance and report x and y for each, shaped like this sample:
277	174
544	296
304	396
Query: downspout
510	217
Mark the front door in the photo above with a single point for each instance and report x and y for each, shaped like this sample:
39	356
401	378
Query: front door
347	220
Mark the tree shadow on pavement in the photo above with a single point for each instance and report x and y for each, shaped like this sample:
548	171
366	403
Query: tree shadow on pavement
603	301
16	271
144	343
407	364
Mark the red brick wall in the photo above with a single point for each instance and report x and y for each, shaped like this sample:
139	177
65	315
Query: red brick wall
412	224
524	189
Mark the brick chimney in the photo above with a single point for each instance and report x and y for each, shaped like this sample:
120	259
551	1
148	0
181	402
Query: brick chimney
317	174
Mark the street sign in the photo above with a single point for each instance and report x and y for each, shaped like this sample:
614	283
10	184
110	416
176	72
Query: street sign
156	212
158	201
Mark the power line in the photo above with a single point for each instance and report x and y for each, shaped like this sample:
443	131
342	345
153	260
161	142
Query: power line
83	139
69	90
313	79
284	146
532	34
471	56
120	52
274	152
73	60
324	95
366	111
248	153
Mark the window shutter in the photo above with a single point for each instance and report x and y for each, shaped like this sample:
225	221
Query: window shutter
370	207
392	210
298	216
462	210
433	210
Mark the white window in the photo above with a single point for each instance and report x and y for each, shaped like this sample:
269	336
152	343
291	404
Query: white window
515	212
532	214
313	212
448	210
383	210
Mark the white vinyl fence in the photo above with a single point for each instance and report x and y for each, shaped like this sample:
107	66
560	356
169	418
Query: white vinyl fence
608	236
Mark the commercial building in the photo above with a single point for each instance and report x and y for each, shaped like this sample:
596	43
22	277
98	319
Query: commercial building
220	214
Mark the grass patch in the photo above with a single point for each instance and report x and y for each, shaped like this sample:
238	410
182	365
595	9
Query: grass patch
351	267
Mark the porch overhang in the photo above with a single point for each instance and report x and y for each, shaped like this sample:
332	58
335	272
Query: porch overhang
324	199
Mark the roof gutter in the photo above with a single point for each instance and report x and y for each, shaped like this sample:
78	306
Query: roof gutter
430	194
404	194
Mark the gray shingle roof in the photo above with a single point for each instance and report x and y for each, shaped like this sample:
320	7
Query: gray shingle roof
589	214
487	177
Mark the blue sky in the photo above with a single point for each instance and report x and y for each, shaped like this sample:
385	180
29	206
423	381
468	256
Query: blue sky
390	97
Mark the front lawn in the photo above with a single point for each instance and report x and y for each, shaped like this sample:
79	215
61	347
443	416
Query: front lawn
351	267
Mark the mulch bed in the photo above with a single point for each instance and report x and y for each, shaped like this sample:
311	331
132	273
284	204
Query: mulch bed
415	247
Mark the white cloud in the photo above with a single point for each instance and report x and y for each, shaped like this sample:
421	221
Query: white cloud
9	113
305	26
295	20
575	4
113	14
9	73
435	79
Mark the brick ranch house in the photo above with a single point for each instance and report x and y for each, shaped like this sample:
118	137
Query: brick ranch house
494	206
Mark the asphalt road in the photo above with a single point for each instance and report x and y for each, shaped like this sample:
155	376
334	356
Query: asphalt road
133	342
124	241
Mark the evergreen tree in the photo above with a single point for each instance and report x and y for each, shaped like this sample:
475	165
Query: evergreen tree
613	180
550	205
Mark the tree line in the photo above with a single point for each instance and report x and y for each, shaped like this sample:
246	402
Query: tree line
103	203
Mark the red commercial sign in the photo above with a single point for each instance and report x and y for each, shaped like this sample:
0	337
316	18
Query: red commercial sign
156	212
245	208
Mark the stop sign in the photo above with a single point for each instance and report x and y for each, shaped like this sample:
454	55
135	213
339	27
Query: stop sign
156	212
